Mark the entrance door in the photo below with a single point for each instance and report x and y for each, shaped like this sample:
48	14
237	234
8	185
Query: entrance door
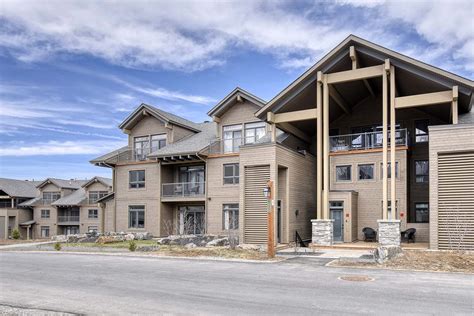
192	220
337	209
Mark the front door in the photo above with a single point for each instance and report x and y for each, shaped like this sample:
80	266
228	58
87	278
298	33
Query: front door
337	210
192	220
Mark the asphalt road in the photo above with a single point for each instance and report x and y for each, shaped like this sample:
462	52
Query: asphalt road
97	284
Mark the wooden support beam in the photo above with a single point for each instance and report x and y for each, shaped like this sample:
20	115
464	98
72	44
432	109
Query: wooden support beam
216	119
336	96
353	56
240	99
356	74
326	161
287	127
393	178
454	105
294	116
424	99
319	147
384	147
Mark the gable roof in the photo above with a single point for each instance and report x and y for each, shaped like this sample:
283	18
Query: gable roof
19	188
62	184
466	85
75	198
105	181
233	97
164	116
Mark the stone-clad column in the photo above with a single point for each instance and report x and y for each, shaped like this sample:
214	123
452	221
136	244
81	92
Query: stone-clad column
389	233
322	232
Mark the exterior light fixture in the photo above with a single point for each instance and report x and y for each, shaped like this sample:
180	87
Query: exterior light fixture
266	192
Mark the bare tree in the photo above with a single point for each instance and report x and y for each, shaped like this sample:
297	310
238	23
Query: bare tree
457	230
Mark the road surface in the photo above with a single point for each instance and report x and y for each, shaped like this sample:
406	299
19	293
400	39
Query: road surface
118	285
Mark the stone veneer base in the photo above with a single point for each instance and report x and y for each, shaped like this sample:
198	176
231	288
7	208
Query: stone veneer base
389	233
322	232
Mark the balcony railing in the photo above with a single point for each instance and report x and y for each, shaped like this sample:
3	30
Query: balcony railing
363	141
130	154
47	201
183	189
231	146
68	218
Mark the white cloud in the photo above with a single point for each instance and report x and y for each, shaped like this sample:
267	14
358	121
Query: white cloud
54	148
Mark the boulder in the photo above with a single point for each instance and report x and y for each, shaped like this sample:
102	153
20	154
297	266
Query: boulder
251	247
129	237
384	253
59	238
190	245
219	242
148	248
109	239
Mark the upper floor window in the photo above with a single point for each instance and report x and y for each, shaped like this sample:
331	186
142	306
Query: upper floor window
389	170
136	179
343	173
141	147
51	196
232	138
96	195
44	213
422	212
254	131
421	131
231	216
157	142
231	173
421	171
93	213
366	172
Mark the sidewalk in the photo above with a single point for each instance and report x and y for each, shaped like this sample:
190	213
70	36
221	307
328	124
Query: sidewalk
26	245
331	253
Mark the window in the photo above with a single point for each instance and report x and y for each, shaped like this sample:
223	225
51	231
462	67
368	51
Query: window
92	229
44	213
96	195
192	220
231	173
136	216
422	213
50	197
366	172
231	216
141	147
254	131
44	231
158	142
421	171
343	173
93	213
232	138
137	179
389	170
421	131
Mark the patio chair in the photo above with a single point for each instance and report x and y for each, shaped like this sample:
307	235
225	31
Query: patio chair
409	235
369	234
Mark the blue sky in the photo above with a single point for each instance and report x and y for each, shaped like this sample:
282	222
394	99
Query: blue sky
70	72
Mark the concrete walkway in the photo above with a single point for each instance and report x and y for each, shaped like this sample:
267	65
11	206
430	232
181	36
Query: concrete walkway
25	245
333	253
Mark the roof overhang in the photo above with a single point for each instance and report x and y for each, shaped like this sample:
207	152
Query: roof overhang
95	180
237	95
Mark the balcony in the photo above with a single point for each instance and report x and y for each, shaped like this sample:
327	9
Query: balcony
47	201
183	191
68	219
364	141
130	154
232	146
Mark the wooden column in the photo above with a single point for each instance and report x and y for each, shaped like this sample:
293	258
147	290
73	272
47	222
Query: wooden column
393	194
319	146
270	222
454	105
326	162
384	141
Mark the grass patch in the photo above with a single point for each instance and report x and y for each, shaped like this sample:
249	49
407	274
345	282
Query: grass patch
118	244
219	252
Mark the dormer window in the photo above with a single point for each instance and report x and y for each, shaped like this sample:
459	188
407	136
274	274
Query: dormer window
254	131
158	142
96	195
232	138
50	197
144	145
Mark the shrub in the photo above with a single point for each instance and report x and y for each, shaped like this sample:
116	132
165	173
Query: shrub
132	245
15	234
57	246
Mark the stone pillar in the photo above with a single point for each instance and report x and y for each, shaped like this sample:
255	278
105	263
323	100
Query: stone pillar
389	233
322	232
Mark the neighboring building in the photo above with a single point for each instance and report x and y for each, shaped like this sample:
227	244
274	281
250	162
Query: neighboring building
63	207
12	193
321	142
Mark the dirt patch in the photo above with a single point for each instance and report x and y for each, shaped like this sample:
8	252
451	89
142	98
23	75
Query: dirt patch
219	252
4	242
443	261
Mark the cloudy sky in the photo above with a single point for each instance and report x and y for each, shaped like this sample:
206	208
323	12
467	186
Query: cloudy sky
70	71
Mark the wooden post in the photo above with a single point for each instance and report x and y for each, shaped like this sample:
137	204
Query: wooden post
454	110
319	146
393	194
326	162
384	142
28	232
271	221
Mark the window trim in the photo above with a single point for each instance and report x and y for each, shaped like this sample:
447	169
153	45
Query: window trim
233	210
335	173
235	178
45	228
136	211
136	181
46	217
96	213
414	212
373	172
245	129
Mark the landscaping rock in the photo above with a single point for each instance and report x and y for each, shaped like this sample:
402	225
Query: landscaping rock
384	253
251	247
220	242
88	239
59	238
190	246
148	248
109	239
129	237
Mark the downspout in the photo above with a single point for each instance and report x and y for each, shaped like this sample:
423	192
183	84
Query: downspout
205	188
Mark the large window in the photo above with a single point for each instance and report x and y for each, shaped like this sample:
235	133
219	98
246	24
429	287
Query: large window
44	231
158	142
232	138
136	216
192	220
45	214
93	213
366	172
343	173
421	171
96	195
231	173
141	147
137	179
230	216
50	197
254	131
422	212
389	170
421	131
